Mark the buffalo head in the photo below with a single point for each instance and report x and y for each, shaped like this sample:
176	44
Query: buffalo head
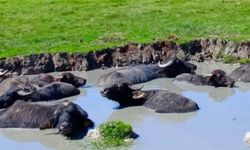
69	119
72	79
124	95
174	67
220	79
12	89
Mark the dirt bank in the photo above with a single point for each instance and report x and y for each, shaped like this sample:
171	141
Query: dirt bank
132	53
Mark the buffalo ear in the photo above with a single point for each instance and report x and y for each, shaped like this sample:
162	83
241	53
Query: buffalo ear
138	94
66	103
88	123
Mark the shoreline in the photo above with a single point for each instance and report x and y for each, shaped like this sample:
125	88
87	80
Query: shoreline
199	50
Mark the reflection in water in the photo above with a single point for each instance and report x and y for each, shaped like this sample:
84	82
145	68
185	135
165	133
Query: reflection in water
47	138
215	126
34	135
217	94
139	113
244	87
162	83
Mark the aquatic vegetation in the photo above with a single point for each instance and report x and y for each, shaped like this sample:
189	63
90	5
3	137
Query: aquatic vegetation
114	134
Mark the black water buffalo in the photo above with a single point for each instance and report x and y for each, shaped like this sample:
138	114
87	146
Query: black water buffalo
52	91
217	79
143	73
241	73
161	101
43	79
13	89
66	116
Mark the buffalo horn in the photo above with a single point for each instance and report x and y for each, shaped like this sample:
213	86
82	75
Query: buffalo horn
136	89
23	93
66	103
3	72
208	74
138	94
57	78
170	62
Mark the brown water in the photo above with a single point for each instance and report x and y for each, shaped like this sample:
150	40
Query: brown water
220	124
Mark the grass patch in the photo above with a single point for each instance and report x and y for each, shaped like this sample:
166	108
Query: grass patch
244	61
232	59
113	134
36	26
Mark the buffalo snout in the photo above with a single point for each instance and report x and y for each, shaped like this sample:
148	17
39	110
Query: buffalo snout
73	119
104	92
65	128
80	82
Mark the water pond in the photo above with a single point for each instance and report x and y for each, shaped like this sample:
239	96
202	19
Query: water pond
221	122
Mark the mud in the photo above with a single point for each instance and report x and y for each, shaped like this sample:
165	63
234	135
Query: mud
133	53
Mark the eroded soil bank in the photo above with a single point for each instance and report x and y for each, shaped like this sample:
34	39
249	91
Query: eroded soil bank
198	50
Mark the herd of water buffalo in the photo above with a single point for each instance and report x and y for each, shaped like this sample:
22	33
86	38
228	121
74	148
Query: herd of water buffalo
25	100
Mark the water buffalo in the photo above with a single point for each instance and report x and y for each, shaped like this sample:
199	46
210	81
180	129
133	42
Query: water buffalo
66	116
161	101
13	89
43	79
143	73
241	73
217	79
52	91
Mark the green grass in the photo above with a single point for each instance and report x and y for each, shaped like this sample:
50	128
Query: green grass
35	26
113	134
230	59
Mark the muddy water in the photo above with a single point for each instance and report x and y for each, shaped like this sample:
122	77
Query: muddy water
221	122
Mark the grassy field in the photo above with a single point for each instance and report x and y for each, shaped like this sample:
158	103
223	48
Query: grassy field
34	26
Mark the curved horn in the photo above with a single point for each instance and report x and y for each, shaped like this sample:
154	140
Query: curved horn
66	103
136	89
58	78
207	74
3	72
23	93
22	74
138	95
170	62
36	86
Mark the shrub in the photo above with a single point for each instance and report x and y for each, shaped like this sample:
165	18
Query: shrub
113	134
230	59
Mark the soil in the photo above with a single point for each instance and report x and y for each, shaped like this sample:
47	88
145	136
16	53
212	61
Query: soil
133	53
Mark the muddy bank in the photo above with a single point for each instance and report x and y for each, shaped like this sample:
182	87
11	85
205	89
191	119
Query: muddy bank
198	50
